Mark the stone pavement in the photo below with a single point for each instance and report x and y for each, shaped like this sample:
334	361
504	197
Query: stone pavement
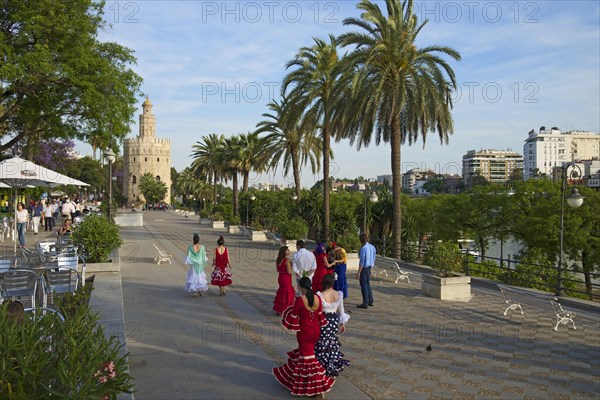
213	347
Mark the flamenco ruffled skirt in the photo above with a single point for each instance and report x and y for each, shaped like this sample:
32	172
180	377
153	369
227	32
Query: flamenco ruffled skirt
303	376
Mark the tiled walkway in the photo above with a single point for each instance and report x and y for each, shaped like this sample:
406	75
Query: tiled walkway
224	347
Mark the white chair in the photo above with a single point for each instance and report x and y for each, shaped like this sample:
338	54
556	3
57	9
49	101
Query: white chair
18	283
162	255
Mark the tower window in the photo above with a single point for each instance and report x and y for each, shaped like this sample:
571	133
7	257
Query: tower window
133	159
133	179
145	158
158	160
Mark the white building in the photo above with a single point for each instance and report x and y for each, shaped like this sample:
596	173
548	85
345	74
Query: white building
412	176
495	166
551	148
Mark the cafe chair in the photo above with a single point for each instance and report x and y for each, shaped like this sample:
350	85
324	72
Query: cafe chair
16	284
59	281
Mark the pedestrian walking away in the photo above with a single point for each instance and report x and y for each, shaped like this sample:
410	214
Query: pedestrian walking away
196	282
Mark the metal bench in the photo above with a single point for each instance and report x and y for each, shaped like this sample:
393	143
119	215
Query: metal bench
400	274
512	305
271	237
562	316
245	231
162	255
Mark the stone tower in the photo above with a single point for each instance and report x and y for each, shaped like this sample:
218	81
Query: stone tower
146	153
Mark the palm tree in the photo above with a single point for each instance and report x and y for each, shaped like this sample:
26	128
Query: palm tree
189	184
399	92
315	85
291	139
231	152
207	161
254	155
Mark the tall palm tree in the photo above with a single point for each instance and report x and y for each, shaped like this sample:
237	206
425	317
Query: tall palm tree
399	92
231	152
315	85
207	161
292	140
189	184
254	155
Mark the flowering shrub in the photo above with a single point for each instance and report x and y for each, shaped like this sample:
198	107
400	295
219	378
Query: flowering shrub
46	358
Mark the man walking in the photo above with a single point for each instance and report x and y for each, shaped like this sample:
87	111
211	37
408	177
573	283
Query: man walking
366	256
304	262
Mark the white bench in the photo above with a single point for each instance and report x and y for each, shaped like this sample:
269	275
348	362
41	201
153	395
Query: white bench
271	237
562	317
162	255
512	305
400	274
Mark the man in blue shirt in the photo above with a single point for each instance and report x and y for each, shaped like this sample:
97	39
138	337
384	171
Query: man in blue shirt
366	256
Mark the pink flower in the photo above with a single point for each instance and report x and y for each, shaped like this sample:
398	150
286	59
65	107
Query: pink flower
112	375
102	379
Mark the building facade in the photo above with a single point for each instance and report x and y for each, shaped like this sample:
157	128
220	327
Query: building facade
496	166
146	153
546	149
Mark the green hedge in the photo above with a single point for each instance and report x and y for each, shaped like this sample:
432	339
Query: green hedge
99	236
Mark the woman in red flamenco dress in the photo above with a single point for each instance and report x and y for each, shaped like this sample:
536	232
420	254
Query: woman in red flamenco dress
221	276
303	374
286	294
323	267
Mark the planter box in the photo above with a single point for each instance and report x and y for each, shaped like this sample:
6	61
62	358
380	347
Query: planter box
291	244
218	224
451	288
129	219
233	229
352	261
258	236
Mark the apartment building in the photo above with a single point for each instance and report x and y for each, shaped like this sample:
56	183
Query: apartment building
495	166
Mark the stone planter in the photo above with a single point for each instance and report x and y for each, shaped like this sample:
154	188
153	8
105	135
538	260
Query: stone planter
352	261
129	219
258	236
217	224
233	229
291	244
456	288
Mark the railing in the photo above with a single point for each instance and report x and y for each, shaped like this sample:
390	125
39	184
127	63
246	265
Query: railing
512	271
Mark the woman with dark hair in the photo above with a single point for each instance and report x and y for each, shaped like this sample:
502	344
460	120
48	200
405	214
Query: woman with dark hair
303	375
285	294
324	267
221	276
196	259
327	349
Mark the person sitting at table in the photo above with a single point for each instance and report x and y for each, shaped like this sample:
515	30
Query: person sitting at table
66	229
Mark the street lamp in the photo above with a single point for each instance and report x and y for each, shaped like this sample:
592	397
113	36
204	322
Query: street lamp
248	206
110	157
373	199
574	200
294	197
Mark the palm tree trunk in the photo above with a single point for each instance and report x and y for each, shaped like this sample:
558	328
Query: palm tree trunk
214	189
326	144
235	194
296	170
245	183
396	141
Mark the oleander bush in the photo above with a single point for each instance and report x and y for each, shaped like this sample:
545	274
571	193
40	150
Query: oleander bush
46	358
99	236
293	229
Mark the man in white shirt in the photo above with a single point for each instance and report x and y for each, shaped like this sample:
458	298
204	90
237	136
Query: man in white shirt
68	209
304	262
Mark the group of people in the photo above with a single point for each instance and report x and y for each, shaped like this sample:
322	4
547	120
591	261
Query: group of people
316	311
196	282
49	210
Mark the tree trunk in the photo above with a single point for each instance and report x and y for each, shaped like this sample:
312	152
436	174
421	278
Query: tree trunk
296	169
482	248
396	142
586	273
214	189
245	182
235	194
326	144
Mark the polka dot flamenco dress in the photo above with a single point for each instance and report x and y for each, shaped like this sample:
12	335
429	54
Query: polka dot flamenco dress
327	349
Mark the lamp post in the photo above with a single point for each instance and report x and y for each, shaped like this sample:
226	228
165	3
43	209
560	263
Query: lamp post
373	199
248	206
110	157
574	200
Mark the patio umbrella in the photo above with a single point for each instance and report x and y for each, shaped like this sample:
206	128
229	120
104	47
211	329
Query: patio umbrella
17	173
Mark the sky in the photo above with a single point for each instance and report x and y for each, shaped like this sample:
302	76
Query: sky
212	67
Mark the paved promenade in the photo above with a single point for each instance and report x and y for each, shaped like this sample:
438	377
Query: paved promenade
212	347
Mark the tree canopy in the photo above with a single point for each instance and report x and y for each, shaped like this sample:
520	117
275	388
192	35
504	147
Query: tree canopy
57	80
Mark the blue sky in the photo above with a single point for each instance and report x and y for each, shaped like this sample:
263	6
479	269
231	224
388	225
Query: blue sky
212	66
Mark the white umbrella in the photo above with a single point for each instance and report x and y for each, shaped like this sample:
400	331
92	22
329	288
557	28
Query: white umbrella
17	173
